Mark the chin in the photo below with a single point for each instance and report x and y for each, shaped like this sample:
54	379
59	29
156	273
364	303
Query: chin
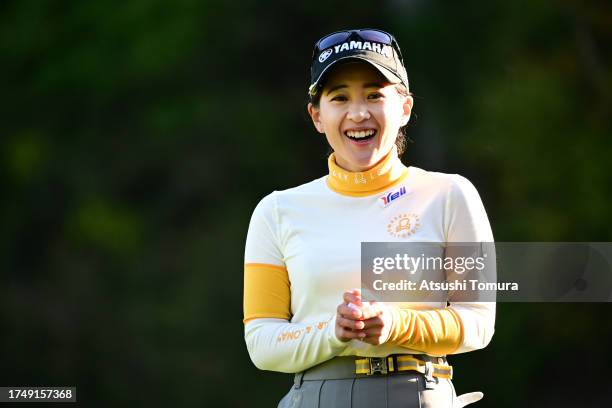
369	160
365	163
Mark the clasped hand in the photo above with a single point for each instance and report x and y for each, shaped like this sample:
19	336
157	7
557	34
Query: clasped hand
369	322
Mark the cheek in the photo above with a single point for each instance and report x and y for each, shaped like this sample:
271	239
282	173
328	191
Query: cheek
393	115
330	119
386	117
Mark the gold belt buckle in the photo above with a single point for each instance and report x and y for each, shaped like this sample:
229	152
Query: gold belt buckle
378	365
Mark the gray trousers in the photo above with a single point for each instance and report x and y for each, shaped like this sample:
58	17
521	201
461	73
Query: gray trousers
406	389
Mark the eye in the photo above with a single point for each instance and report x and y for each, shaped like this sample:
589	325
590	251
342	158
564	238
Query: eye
375	95
340	98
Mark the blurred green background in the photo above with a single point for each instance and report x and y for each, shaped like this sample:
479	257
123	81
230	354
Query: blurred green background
137	137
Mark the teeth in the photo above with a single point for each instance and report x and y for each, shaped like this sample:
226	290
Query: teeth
358	134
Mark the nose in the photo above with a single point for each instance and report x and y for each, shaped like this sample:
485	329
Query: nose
358	111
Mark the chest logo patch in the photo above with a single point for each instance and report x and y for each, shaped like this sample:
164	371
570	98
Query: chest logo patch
404	225
391	196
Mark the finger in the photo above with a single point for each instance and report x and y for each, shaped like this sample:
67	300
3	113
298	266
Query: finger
370	311
350	297
350	324
373	340
357	309
357	293
372	332
349	334
348	312
374	322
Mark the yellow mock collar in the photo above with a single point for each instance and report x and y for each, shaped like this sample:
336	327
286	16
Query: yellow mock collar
385	174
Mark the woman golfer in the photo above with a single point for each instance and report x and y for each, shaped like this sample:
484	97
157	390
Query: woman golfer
302	256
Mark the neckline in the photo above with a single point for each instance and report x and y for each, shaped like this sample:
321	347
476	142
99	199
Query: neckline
384	175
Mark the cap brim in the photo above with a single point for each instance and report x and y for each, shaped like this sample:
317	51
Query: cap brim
388	74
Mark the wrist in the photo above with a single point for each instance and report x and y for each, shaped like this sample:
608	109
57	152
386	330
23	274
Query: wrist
334	341
393	317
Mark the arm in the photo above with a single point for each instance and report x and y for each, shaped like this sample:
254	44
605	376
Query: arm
461	326
277	345
273	342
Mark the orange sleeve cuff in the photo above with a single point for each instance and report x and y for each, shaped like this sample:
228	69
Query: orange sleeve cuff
437	332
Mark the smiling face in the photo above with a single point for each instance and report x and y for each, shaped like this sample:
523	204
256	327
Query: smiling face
360	113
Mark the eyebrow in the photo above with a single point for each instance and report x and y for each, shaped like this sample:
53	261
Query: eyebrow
368	85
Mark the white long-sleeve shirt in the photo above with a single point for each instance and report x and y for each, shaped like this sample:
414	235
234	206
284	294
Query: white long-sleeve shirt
303	251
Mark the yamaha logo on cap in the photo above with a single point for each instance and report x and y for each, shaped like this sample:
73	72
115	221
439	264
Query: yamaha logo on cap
325	54
361	45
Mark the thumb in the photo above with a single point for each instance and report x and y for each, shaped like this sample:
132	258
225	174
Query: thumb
357	293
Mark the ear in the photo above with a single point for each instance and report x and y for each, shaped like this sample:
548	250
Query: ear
407	109
315	115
